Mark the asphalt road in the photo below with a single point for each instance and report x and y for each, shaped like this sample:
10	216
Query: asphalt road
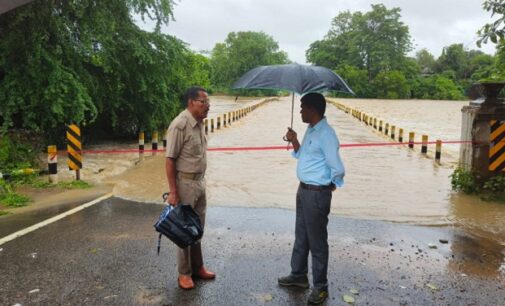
106	255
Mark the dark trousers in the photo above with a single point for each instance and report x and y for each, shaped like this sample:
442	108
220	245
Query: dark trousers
311	234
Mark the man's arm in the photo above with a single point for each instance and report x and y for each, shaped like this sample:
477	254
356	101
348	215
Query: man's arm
330	149
173	197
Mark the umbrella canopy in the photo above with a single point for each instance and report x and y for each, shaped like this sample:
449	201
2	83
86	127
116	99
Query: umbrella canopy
296	78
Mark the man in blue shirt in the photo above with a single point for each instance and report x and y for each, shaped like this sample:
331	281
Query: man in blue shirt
320	171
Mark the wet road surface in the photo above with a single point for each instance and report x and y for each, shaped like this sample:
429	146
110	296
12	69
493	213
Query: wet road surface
106	255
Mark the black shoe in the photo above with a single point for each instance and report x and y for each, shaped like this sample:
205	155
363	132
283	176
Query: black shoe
294	281
317	296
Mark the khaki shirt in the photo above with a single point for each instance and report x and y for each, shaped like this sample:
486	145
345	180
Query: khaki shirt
187	144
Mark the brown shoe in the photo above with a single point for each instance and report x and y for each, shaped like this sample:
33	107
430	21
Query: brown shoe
205	274
185	282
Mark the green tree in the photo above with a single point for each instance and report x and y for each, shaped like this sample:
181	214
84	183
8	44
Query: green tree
375	41
87	61
240	52
426	61
494	31
437	87
454	58
391	85
357	79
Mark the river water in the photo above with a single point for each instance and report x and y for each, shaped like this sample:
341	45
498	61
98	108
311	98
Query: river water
390	183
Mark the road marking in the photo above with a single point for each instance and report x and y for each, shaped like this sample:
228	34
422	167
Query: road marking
52	220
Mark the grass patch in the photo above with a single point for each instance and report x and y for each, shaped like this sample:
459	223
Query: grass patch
3	213
75	185
13	199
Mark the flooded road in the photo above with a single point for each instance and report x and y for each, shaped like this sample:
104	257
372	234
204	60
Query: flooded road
437	119
390	183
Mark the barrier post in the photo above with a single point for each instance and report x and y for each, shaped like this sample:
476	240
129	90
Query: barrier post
74	148
438	150
224	120
411	139
154	143
218	126
229	118
393	128
206	122
424	144
375	123
212	125
141	146
400	136
52	164
386	130
380	125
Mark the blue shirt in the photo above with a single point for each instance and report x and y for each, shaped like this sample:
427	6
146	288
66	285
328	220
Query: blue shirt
319	161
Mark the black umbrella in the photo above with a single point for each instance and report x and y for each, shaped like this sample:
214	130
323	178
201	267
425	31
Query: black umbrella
296	78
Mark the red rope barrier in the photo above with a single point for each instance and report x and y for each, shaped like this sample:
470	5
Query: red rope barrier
270	148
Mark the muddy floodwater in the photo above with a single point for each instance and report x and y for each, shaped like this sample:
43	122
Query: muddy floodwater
390	183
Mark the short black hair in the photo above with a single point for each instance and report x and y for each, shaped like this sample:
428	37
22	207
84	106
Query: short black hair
192	93
316	101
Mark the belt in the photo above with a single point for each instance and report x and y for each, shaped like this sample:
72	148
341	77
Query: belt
191	176
316	187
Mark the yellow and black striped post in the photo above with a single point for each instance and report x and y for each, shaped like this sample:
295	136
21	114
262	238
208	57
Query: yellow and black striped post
52	164
438	150
206	122
400	135
154	143
224	120
393	128
212	125
229	118
424	144
380	125
411	139
497	146
218	123
375	123
386	130
74	148
141	146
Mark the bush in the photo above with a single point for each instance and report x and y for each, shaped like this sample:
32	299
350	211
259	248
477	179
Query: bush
9	198
493	189
19	150
463	180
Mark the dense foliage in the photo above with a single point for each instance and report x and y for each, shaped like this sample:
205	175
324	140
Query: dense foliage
240	52
369	50
88	62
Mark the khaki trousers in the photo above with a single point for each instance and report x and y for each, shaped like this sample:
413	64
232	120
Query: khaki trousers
191	192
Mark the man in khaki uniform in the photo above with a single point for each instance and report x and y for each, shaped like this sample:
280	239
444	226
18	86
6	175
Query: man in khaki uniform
186	163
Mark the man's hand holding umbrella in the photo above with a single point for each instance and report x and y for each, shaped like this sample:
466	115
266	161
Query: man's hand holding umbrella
291	136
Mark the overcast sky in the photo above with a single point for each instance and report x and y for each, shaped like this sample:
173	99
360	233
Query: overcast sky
295	24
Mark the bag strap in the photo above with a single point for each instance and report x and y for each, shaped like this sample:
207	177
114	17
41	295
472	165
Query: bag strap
165	197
